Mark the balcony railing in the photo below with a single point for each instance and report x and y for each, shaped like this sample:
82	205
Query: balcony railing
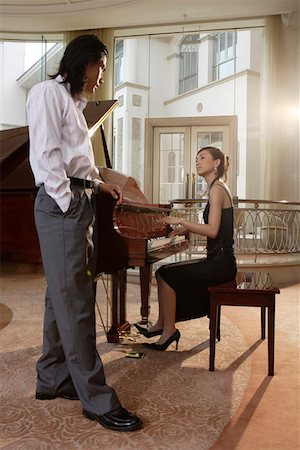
260	226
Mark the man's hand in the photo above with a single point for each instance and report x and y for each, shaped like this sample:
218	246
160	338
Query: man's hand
112	189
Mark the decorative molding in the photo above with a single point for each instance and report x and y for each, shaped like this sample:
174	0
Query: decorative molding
212	84
131	85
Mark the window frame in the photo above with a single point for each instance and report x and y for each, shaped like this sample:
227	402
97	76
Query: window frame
220	62
118	62
188	69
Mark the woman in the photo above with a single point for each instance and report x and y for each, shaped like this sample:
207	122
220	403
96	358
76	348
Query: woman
63	165
183	287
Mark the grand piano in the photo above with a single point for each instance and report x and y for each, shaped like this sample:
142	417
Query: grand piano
18	236
127	236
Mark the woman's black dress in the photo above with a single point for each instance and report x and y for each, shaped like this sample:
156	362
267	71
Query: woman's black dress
191	279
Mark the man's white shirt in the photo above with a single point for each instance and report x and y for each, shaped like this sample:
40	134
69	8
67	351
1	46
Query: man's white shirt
60	146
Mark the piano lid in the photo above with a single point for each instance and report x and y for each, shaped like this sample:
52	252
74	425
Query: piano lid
130	188
13	149
14	164
14	146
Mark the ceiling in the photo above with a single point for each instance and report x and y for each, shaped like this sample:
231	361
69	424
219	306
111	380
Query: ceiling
59	15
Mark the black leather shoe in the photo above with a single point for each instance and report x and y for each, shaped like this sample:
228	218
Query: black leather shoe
72	395
146	333
118	420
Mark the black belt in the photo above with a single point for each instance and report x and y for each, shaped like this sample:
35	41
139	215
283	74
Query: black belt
81	182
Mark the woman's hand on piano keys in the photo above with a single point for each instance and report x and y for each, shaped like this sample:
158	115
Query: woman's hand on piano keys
112	189
181	231
171	220
177	222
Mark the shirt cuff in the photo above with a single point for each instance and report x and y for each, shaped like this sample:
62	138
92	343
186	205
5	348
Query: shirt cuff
96	183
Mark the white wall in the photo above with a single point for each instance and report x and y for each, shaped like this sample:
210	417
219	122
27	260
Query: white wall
160	75
205	62
1	83
13	97
243	50
217	100
128	111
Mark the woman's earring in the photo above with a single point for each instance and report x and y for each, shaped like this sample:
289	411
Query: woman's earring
215	171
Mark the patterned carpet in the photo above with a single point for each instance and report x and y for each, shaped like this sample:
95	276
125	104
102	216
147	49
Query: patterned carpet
182	404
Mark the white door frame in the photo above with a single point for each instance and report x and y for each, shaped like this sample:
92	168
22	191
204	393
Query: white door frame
151	124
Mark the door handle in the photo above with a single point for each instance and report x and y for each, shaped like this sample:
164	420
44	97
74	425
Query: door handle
193	185
187	185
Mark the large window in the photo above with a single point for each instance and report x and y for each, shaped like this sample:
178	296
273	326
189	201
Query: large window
156	67
171	164
188	68
25	63
224	55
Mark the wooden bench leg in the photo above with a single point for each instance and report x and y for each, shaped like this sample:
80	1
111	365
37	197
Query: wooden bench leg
271	336
212	334
219	323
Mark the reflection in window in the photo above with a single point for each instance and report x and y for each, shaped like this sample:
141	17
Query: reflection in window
188	69
214	138
119	59
119	149
137	162
171	167
224	54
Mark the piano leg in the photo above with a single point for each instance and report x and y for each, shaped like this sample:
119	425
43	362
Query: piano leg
122	295
145	283
119	323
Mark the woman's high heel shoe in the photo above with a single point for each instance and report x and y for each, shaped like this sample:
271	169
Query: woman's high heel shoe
146	333
165	345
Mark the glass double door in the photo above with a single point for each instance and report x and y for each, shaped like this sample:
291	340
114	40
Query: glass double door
174	151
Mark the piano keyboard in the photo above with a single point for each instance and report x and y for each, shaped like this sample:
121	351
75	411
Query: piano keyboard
161	242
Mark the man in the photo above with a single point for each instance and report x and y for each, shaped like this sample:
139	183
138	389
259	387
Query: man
62	162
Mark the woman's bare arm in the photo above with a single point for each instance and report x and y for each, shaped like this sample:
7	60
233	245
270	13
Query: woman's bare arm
211	229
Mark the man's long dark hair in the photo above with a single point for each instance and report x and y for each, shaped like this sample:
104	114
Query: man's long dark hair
79	52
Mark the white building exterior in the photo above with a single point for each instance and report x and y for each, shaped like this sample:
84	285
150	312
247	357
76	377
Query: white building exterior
149	86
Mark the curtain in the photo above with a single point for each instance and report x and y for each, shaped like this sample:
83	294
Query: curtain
280	160
104	92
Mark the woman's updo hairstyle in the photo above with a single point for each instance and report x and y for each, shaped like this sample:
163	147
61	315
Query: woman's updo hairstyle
216	153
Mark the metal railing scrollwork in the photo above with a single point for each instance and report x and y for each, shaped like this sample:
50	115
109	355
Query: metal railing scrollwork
260	226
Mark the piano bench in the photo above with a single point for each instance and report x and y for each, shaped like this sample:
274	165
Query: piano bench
248	289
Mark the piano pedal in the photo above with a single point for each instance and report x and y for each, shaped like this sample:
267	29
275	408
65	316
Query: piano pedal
129	336
145	323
